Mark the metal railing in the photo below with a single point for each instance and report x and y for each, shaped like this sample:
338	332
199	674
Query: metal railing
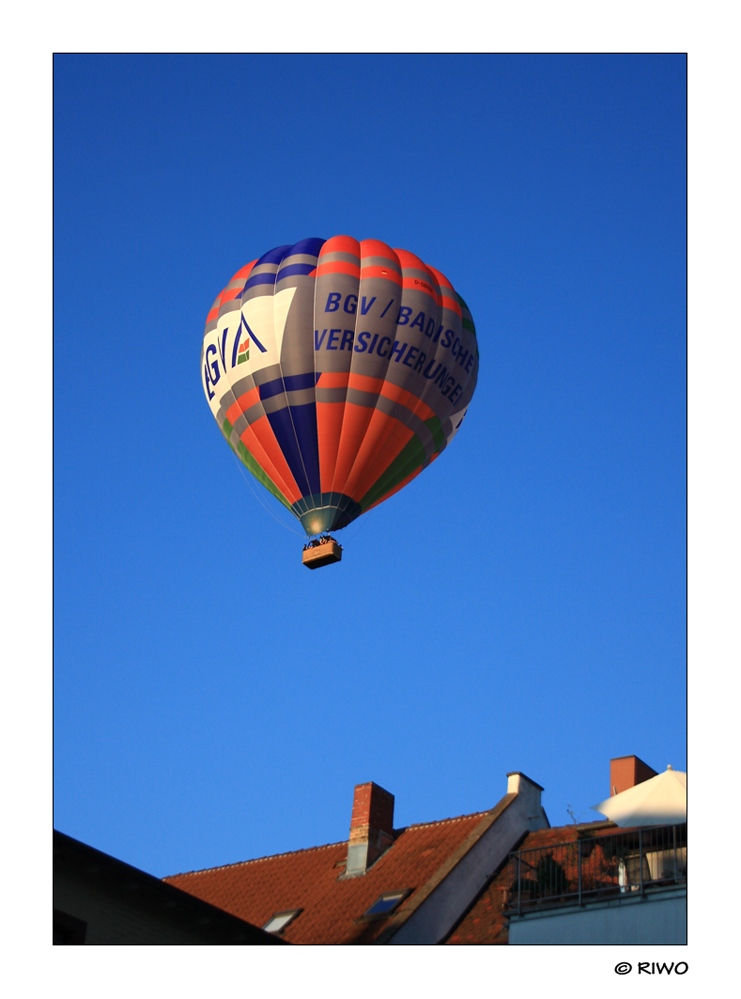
603	866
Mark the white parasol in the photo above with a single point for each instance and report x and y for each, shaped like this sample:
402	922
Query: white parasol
660	801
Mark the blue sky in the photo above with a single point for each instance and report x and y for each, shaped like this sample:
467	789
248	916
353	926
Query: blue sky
521	605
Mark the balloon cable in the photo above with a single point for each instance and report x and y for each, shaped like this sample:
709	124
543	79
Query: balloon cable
264	505
360	525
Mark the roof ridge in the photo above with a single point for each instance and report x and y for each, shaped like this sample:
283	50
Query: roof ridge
440	822
254	860
324	846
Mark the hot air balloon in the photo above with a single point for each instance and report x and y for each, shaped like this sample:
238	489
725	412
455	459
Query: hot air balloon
337	371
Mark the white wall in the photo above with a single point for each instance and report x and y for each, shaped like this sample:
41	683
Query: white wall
655	918
434	918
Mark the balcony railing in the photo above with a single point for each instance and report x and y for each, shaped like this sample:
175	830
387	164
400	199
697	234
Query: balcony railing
604	866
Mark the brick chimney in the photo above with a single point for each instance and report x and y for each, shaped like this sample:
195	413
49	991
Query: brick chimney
371	827
627	771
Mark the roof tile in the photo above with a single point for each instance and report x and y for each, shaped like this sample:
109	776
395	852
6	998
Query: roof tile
333	906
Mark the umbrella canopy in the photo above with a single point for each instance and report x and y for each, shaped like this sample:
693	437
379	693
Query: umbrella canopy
660	801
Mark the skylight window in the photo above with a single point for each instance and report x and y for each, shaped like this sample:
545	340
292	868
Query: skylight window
280	920
386	903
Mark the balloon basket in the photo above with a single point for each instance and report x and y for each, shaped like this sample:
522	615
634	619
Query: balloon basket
321	552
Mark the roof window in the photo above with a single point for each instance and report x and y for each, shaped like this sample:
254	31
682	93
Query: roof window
387	903
278	922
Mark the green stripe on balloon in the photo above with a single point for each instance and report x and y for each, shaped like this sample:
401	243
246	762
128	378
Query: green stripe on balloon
467	318
260	474
436	429
249	462
412	457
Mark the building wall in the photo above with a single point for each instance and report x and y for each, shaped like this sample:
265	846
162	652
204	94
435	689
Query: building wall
112	919
659	918
438	913
101	900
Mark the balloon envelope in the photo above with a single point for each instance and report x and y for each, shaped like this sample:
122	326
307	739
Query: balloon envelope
337	370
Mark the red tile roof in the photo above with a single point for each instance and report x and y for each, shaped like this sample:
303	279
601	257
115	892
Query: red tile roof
486	921
311	880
